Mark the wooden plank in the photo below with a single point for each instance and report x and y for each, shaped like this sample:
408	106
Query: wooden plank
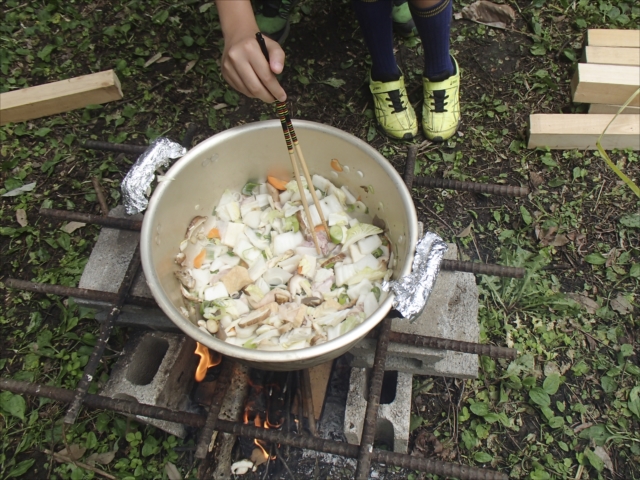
612	55
610	84
613	38
319	380
563	132
602	108
59	97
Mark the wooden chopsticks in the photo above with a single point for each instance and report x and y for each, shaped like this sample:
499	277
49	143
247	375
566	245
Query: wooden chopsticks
293	147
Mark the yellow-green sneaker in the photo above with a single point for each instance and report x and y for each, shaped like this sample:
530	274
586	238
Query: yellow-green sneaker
441	107
394	112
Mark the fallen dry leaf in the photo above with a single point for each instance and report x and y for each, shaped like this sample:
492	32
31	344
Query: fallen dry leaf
101	458
75	451
560	240
190	65
489	13
590	305
604	456
220	106
612	256
621	305
72	227
172	471
536	179
581	427
163	59
21	217
466	232
153	59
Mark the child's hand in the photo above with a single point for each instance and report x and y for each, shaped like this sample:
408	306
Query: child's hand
246	70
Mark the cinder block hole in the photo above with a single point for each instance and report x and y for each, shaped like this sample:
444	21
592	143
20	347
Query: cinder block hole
389	385
384	433
146	360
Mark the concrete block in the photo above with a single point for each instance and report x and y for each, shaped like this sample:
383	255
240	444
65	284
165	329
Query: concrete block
451	312
156	368
105	270
394	412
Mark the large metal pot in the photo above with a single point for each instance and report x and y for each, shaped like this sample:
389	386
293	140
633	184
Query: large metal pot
194	184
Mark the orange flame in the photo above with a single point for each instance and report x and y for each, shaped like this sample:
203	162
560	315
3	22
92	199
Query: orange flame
206	360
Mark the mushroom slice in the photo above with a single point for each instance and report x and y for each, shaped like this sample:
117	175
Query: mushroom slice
193	226
188	295
256	316
334	259
312	301
282	296
180	258
185	278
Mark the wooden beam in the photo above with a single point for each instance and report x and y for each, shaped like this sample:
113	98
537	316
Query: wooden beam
610	84
319	380
602	108
59	97
564	132
613	38
612	55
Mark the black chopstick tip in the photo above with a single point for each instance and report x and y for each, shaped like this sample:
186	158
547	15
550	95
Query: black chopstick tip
263	45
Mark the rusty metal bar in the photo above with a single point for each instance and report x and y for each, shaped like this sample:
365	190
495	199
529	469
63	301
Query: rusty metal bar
373	401
454	345
483	268
100	195
110	222
474	187
105	332
85	293
115	147
128	407
222	385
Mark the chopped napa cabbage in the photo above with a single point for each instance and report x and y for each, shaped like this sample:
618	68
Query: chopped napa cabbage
366	273
360	231
291	224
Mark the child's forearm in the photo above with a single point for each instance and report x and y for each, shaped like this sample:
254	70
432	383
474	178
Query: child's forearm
236	18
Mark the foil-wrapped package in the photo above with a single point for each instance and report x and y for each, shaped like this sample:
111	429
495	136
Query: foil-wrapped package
412	291
136	184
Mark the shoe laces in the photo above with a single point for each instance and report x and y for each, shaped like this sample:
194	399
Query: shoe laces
439	97
396	101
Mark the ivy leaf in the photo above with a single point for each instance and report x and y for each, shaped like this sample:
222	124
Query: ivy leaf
539	397
634	401
415	422
556	422
631	220
551	383
13	404
482	457
526	216
538	50
609	385
480	408
595	259
45	52
334	82
21	468
595	461
187	40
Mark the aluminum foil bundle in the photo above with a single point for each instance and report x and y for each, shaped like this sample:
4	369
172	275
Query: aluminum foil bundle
412	291
136	184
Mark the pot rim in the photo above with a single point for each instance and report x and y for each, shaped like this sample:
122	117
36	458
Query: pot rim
261	356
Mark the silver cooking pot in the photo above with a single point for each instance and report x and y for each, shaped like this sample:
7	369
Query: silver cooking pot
194	184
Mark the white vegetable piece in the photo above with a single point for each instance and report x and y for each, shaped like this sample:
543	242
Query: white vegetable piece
369	244
276	276
287	241
216	291
231	234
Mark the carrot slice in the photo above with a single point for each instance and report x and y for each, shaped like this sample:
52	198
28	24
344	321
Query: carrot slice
335	164
213	233
277	183
197	262
319	228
